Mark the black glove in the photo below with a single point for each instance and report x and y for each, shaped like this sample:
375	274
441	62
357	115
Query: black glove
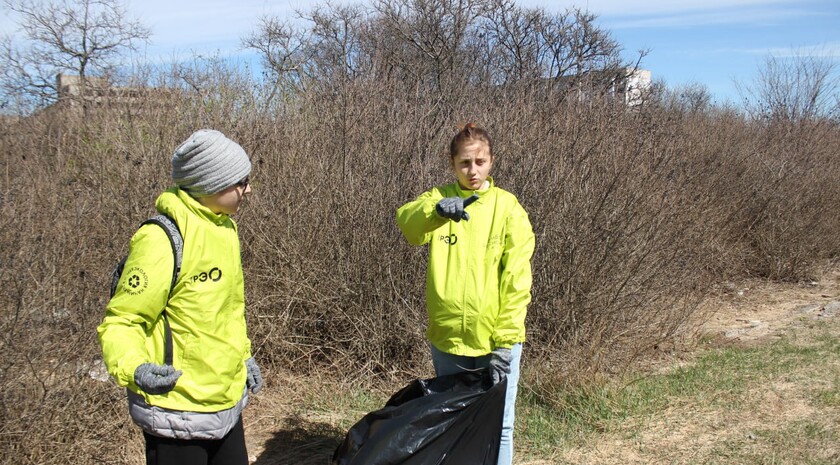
499	364
453	207
156	379
255	380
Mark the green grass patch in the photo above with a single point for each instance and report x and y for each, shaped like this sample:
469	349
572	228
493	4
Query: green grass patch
802	442
346	405
829	395
724	379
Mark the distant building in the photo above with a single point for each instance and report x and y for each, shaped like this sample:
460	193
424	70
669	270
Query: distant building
97	92
635	86
630	85
70	86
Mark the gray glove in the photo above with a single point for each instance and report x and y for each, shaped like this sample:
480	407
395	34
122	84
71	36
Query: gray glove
156	379
453	207
499	364
255	380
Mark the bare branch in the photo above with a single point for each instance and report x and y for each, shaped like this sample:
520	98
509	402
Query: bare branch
82	37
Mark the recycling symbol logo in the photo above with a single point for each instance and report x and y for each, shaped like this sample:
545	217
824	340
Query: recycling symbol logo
137	281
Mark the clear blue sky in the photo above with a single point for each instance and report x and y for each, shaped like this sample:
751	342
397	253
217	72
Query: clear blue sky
711	42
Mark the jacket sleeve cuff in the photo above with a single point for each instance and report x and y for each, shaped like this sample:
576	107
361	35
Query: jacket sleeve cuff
125	374
499	343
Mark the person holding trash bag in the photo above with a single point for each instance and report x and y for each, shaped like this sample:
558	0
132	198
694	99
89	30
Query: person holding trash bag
189	408
478	279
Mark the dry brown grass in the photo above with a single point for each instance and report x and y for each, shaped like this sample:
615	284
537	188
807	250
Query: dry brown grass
637	213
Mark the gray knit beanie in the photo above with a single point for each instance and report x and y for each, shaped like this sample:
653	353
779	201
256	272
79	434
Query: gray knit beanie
208	162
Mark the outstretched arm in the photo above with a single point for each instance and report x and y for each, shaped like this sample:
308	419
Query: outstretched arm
418	218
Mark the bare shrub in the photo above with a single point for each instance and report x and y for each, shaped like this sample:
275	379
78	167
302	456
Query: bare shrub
636	211
793	104
56	243
790	213
801	86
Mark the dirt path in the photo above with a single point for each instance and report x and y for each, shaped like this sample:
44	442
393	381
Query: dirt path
754	311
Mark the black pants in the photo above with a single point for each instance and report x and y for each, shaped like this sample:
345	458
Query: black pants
229	450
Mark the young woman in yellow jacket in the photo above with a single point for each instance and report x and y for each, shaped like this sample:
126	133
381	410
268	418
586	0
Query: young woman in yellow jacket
478	280
189	410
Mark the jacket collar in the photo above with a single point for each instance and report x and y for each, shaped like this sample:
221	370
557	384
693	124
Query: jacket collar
466	192
175	199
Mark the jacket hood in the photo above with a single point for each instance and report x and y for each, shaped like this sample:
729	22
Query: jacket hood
174	201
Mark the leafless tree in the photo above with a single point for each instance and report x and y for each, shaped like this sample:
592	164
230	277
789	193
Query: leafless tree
794	88
82	37
515	41
284	51
561	48
692	98
430	38
439	45
338	33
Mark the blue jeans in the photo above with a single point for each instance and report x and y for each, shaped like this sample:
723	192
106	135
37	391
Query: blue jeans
447	364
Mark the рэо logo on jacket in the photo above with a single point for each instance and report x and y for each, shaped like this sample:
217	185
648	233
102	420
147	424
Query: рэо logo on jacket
450	239
214	275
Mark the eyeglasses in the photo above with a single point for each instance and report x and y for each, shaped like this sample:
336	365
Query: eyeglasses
244	183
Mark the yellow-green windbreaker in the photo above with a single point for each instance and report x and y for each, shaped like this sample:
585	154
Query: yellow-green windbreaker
478	281
206	310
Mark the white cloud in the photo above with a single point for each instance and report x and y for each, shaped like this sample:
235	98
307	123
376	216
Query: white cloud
199	22
708	18
186	27
626	14
829	50
823	50
656	7
207	25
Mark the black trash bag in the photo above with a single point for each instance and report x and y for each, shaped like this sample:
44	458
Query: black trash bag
454	420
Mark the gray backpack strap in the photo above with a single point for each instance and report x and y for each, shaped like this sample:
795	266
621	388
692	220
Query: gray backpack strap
177	243
175	240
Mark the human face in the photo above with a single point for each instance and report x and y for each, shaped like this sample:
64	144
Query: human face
472	165
228	200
